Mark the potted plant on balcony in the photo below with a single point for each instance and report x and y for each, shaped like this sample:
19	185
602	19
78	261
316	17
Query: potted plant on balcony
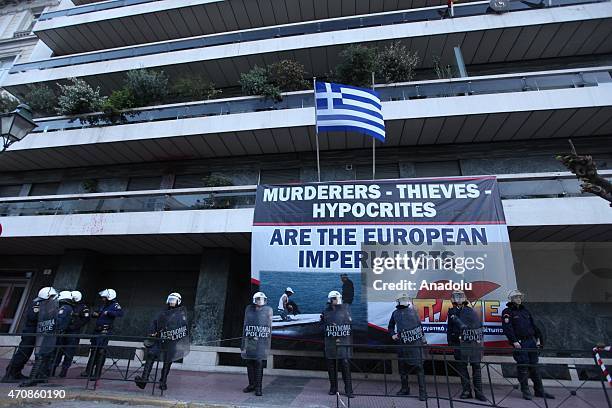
41	98
269	82
78	97
212	201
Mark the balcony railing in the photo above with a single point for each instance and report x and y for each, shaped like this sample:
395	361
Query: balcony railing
90	8
289	30
512	186
491	84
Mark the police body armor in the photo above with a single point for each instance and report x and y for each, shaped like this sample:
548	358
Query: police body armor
410	333
338	327
173	333
471	335
47	326
257	332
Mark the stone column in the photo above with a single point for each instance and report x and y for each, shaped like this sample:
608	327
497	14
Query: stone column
211	294
70	270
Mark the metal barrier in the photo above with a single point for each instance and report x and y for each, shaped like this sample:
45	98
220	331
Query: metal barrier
441	366
375	367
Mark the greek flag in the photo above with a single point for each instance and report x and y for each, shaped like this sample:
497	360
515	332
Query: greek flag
347	108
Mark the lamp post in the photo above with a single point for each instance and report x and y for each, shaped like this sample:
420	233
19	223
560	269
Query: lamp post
15	125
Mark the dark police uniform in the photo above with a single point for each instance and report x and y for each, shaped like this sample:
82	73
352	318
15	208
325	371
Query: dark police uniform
106	316
26	346
348	292
457	316
67	346
519	327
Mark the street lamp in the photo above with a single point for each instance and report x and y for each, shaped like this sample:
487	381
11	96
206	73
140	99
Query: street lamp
16	125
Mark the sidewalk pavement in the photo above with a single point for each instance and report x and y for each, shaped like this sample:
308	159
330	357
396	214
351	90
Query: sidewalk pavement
217	390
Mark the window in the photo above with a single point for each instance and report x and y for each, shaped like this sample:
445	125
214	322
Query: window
189	180
35	15
42	189
10	190
144	183
383	171
5	64
437	168
280	176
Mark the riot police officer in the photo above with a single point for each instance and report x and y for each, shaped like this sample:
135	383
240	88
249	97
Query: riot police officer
337	325
105	317
28	340
405	329
256	340
464	332
70	324
46	327
522	333
80	317
169	341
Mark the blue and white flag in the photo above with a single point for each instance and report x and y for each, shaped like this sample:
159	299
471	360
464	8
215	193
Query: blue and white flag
348	108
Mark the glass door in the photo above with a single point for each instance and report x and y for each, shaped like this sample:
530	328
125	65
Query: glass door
11	302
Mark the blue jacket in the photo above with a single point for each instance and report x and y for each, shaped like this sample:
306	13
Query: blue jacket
64	316
31	317
107	314
80	317
518	324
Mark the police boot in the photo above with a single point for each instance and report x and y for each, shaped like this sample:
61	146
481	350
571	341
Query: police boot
421	381
523	378
9	376
332	373
163	385
538	387
99	364
405	390
35	375
258	377
251	375
64	372
346	378
141	380
90	363
465	381
477	381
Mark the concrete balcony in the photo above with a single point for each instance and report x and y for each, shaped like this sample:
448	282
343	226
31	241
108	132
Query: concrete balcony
538	207
525	34
523	106
121	23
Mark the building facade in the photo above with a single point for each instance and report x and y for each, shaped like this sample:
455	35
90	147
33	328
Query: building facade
160	198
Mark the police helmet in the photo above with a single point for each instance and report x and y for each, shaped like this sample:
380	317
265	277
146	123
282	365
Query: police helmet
334	294
516	295
458	296
260	298
76	296
47	293
110	294
174	299
404	300
65	295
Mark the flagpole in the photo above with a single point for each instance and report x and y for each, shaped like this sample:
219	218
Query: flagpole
373	144
314	89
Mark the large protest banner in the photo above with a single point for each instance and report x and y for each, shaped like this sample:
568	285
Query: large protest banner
423	237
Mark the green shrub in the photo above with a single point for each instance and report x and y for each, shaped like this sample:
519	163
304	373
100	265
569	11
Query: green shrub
395	63
118	101
194	88
442	71
288	75
41	99
256	82
78	97
356	66
147	86
8	102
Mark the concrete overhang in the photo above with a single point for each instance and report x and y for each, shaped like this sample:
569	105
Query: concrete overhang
183	232
557	113
85	29
522	35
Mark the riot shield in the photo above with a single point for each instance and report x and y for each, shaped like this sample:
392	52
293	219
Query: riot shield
257	332
410	333
338	328
47	326
471	335
174	334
